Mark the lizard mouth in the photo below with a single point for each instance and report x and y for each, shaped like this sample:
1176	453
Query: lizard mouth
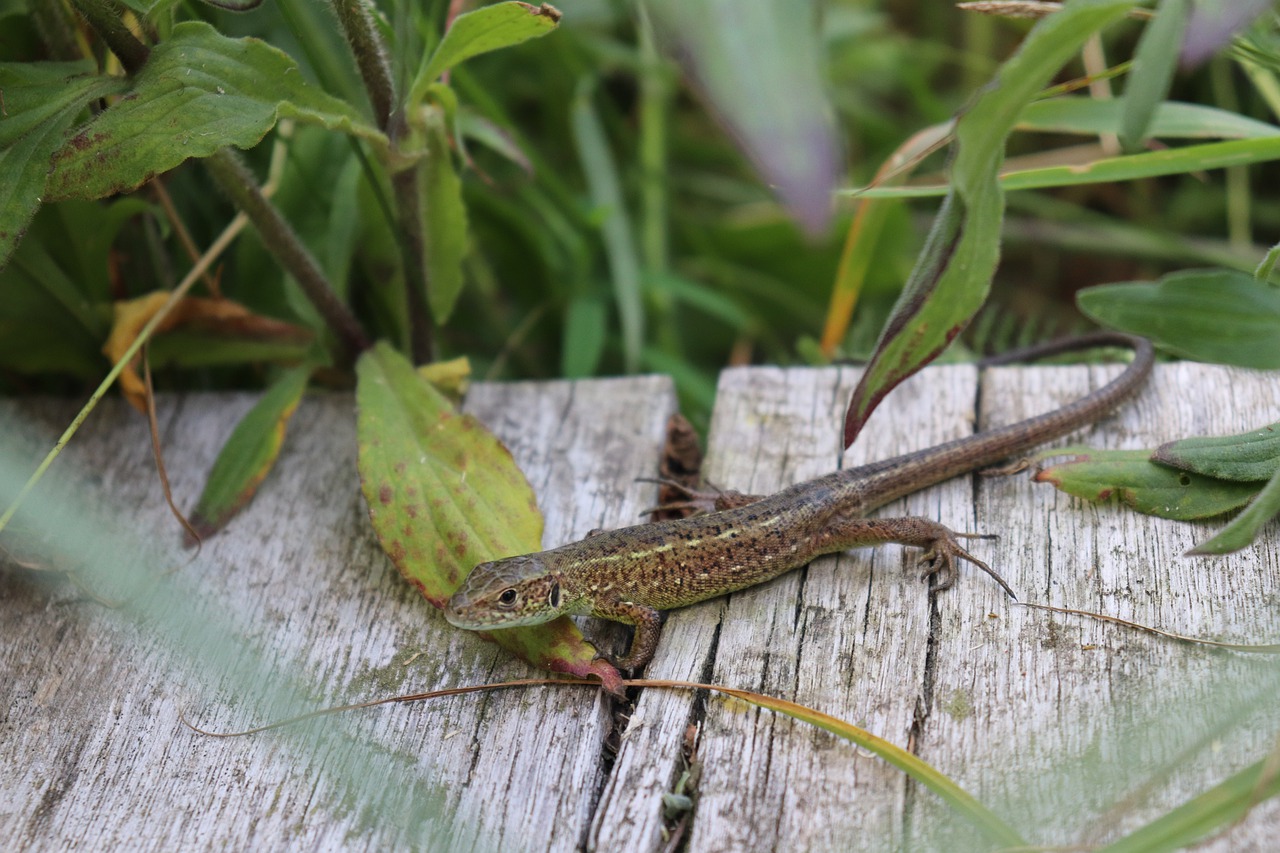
456	613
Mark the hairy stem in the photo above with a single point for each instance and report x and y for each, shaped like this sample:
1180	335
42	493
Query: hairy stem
235	179
104	17
370	52
51	21
412	251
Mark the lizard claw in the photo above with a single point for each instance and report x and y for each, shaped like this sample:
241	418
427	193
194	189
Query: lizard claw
940	562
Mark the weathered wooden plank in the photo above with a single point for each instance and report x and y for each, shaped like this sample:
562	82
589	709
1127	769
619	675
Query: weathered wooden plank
1012	703
1092	714
818	636
91	731
856	637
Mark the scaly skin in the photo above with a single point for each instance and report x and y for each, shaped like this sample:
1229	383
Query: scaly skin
631	574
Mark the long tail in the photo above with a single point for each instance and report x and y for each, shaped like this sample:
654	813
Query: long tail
885	481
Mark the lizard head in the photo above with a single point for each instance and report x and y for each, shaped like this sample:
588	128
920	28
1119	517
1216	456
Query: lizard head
506	594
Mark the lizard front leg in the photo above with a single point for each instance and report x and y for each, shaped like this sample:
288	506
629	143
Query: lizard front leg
648	624
941	550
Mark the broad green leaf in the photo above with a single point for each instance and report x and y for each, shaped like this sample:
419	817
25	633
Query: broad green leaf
199	91
1172	119
444	495
952	278
1219	316
249	454
1149	164
1153	64
1246	526
1153	489
480	31
444	218
42	100
1248	457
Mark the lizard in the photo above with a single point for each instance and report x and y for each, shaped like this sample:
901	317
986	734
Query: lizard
630	574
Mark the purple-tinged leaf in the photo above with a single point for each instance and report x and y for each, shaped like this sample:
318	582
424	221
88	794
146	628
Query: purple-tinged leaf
1214	24
757	64
951	280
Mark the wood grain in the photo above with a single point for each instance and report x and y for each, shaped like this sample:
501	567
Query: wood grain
1048	719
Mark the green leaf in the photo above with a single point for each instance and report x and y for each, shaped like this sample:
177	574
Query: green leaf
476	127
700	297
42	100
445	495
1218	316
584	336
1153	489
1172	120
952	278
1246	526
480	31
199	91
444	218
46	325
1153	64
249	454
209	349
615	226
1247	457
1150	164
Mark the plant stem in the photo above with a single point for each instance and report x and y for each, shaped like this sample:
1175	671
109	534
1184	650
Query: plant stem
371	56
235	179
412	251
51	21
104	17
370	52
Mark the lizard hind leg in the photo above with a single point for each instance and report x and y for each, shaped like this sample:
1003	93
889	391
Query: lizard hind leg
940	558
941	549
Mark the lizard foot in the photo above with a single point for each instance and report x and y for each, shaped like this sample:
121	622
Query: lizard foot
940	562
714	499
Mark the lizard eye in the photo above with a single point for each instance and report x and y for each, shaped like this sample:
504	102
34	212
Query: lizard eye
508	597
554	595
